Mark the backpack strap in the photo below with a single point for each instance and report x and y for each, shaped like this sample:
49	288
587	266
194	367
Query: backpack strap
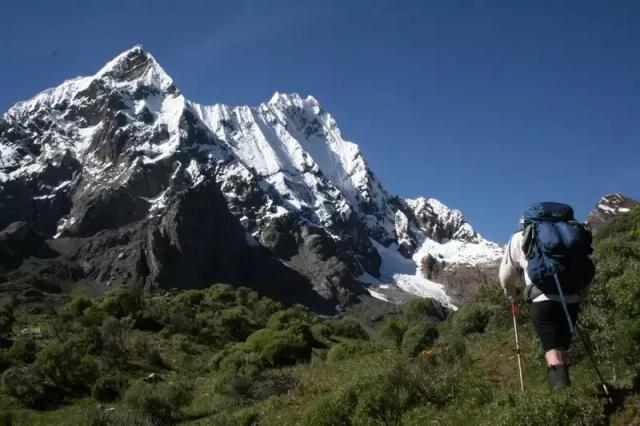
531	292
529	239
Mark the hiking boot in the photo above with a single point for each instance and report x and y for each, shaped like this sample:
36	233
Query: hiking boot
558	376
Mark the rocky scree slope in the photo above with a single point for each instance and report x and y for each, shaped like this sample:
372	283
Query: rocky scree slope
127	181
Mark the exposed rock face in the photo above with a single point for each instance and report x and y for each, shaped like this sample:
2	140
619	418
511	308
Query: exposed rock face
462	282
131	182
609	207
17	242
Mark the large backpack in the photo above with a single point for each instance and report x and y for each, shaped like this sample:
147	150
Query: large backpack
556	244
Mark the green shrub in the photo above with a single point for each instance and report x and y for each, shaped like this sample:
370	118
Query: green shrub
161	402
610	312
289	317
77	306
92	316
421	309
350	329
6	319
452	348
114	335
28	386
332	409
221	294
278	347
24	350
322	332
384	399
568	407
472	318
236	385
7	418
67	366
418	338
6	360
109	387
124	301
392	330
233	324
349	349
263	309
247	417
189	297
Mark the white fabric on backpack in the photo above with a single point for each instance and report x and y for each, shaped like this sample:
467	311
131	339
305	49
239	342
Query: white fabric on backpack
513	264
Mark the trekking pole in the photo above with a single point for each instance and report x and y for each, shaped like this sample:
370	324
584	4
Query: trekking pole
514	312
587	349
573	329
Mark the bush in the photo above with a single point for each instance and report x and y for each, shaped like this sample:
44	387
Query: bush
233	324
350	329
67	366
289	317
162	402
472	318
393	330
610	312
281	346
566	407
322	332
333	409
349	349
421	309
221	294
246	417
418	338
28	386
6	319
190	298
264	309
123	301
5	360
109	388
114	335
7	418
77	306
384	399
23	350
98	416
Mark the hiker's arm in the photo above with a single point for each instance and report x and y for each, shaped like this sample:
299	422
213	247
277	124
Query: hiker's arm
510	270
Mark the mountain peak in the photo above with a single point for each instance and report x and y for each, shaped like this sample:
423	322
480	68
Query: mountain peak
133	64
610	206
129	67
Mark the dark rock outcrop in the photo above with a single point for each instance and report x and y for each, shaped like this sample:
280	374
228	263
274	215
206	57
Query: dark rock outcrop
19	241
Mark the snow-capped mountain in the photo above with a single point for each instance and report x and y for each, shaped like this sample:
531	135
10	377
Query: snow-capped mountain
132	182
609	207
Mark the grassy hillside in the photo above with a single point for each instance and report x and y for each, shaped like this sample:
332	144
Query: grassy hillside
225	356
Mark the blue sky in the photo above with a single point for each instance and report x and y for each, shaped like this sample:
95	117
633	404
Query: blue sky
485	105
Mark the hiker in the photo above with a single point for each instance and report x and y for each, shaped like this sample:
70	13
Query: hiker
552	251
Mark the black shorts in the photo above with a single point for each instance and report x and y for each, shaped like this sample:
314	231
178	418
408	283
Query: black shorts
550	323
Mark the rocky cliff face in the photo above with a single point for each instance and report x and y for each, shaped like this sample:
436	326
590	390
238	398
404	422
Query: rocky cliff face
609	207
128	181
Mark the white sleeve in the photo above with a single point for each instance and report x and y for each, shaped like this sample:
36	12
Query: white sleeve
510	268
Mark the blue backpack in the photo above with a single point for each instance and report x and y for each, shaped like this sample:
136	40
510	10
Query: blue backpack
556	244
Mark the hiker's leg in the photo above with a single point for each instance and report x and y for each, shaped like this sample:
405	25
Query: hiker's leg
554	357
553	331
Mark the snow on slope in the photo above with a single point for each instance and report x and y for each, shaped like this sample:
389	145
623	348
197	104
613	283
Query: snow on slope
405	273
